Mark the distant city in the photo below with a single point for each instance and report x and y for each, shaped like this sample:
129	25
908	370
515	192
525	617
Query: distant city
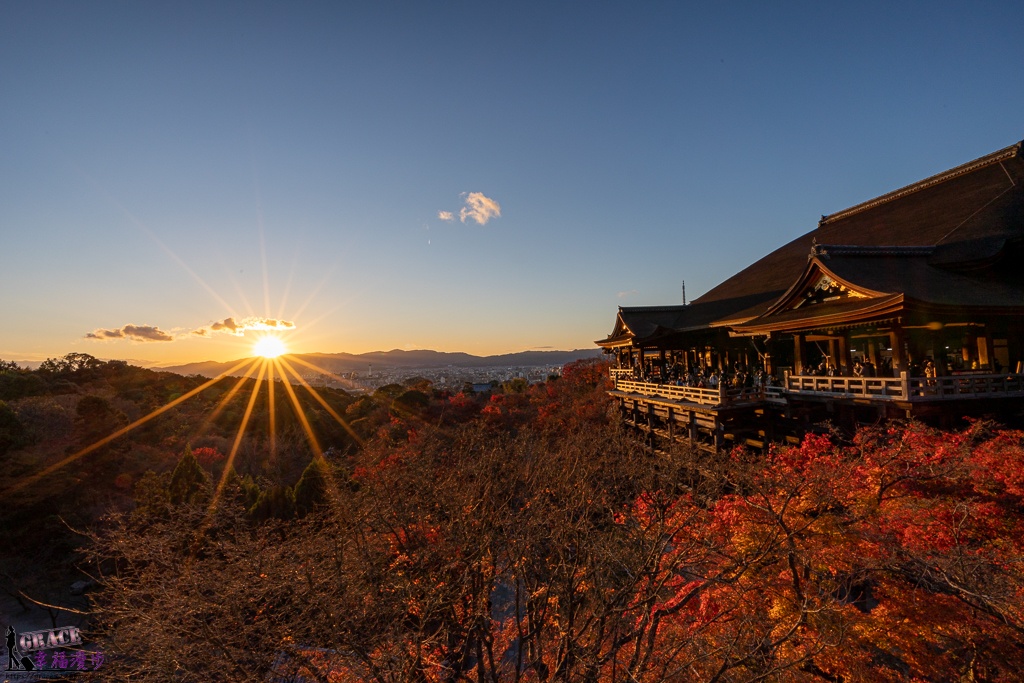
453	377
453	371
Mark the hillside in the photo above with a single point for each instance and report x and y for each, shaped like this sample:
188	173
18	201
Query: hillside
418	359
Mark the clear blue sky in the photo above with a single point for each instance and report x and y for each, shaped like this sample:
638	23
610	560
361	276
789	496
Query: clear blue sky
170	165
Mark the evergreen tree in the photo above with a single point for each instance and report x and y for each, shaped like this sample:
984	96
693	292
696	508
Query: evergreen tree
12	432
152	498
250	491
275	502
311	490
189	482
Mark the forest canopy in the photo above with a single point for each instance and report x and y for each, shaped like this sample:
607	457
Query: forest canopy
525	535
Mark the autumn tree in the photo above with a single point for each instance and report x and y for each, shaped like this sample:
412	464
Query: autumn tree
534	540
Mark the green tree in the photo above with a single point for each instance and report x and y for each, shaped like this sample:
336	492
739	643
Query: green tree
410	403
12	432
250	492
311	489
275	502
45	418
72	362
97	417
388	392
18	382
152	497
189	482
517	385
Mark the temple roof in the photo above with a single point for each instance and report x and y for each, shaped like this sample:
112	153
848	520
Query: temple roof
981	199
831	314
875	279
917	278
648	323
953	239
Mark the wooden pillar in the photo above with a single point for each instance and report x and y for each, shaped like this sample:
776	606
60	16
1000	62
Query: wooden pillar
899	360
969	345
693	427
833	354
985	354
845	359
798	353
650	424
873	353
938	352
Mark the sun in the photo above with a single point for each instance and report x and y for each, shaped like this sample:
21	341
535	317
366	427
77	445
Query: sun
269	347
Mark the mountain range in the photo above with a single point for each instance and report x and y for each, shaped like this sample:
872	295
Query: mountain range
339	363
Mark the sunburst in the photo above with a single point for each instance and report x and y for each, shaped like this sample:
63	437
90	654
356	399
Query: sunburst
270	364
269	346
269	367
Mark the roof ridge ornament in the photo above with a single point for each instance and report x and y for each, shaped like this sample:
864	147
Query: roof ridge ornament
817	250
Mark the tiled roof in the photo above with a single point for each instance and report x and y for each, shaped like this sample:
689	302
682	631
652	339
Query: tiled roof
984	199
938	241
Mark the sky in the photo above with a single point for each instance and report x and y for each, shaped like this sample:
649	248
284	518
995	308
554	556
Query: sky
178	179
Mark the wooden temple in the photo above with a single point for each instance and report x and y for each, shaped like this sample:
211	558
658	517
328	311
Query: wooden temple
907	305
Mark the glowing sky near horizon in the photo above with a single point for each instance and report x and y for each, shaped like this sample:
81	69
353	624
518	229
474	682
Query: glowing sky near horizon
481	177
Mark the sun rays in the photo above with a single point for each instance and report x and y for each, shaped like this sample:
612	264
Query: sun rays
267	367
272	366
264	371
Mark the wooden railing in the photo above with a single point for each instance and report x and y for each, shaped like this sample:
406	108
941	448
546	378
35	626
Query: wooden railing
707	397
888	388
901	388
966	386
911	388
621	373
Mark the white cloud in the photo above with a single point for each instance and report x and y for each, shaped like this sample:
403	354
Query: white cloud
446	216
141	333
479	208
239	327
628	294
151	333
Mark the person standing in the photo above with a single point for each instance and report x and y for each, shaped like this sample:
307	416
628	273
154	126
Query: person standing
12	647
